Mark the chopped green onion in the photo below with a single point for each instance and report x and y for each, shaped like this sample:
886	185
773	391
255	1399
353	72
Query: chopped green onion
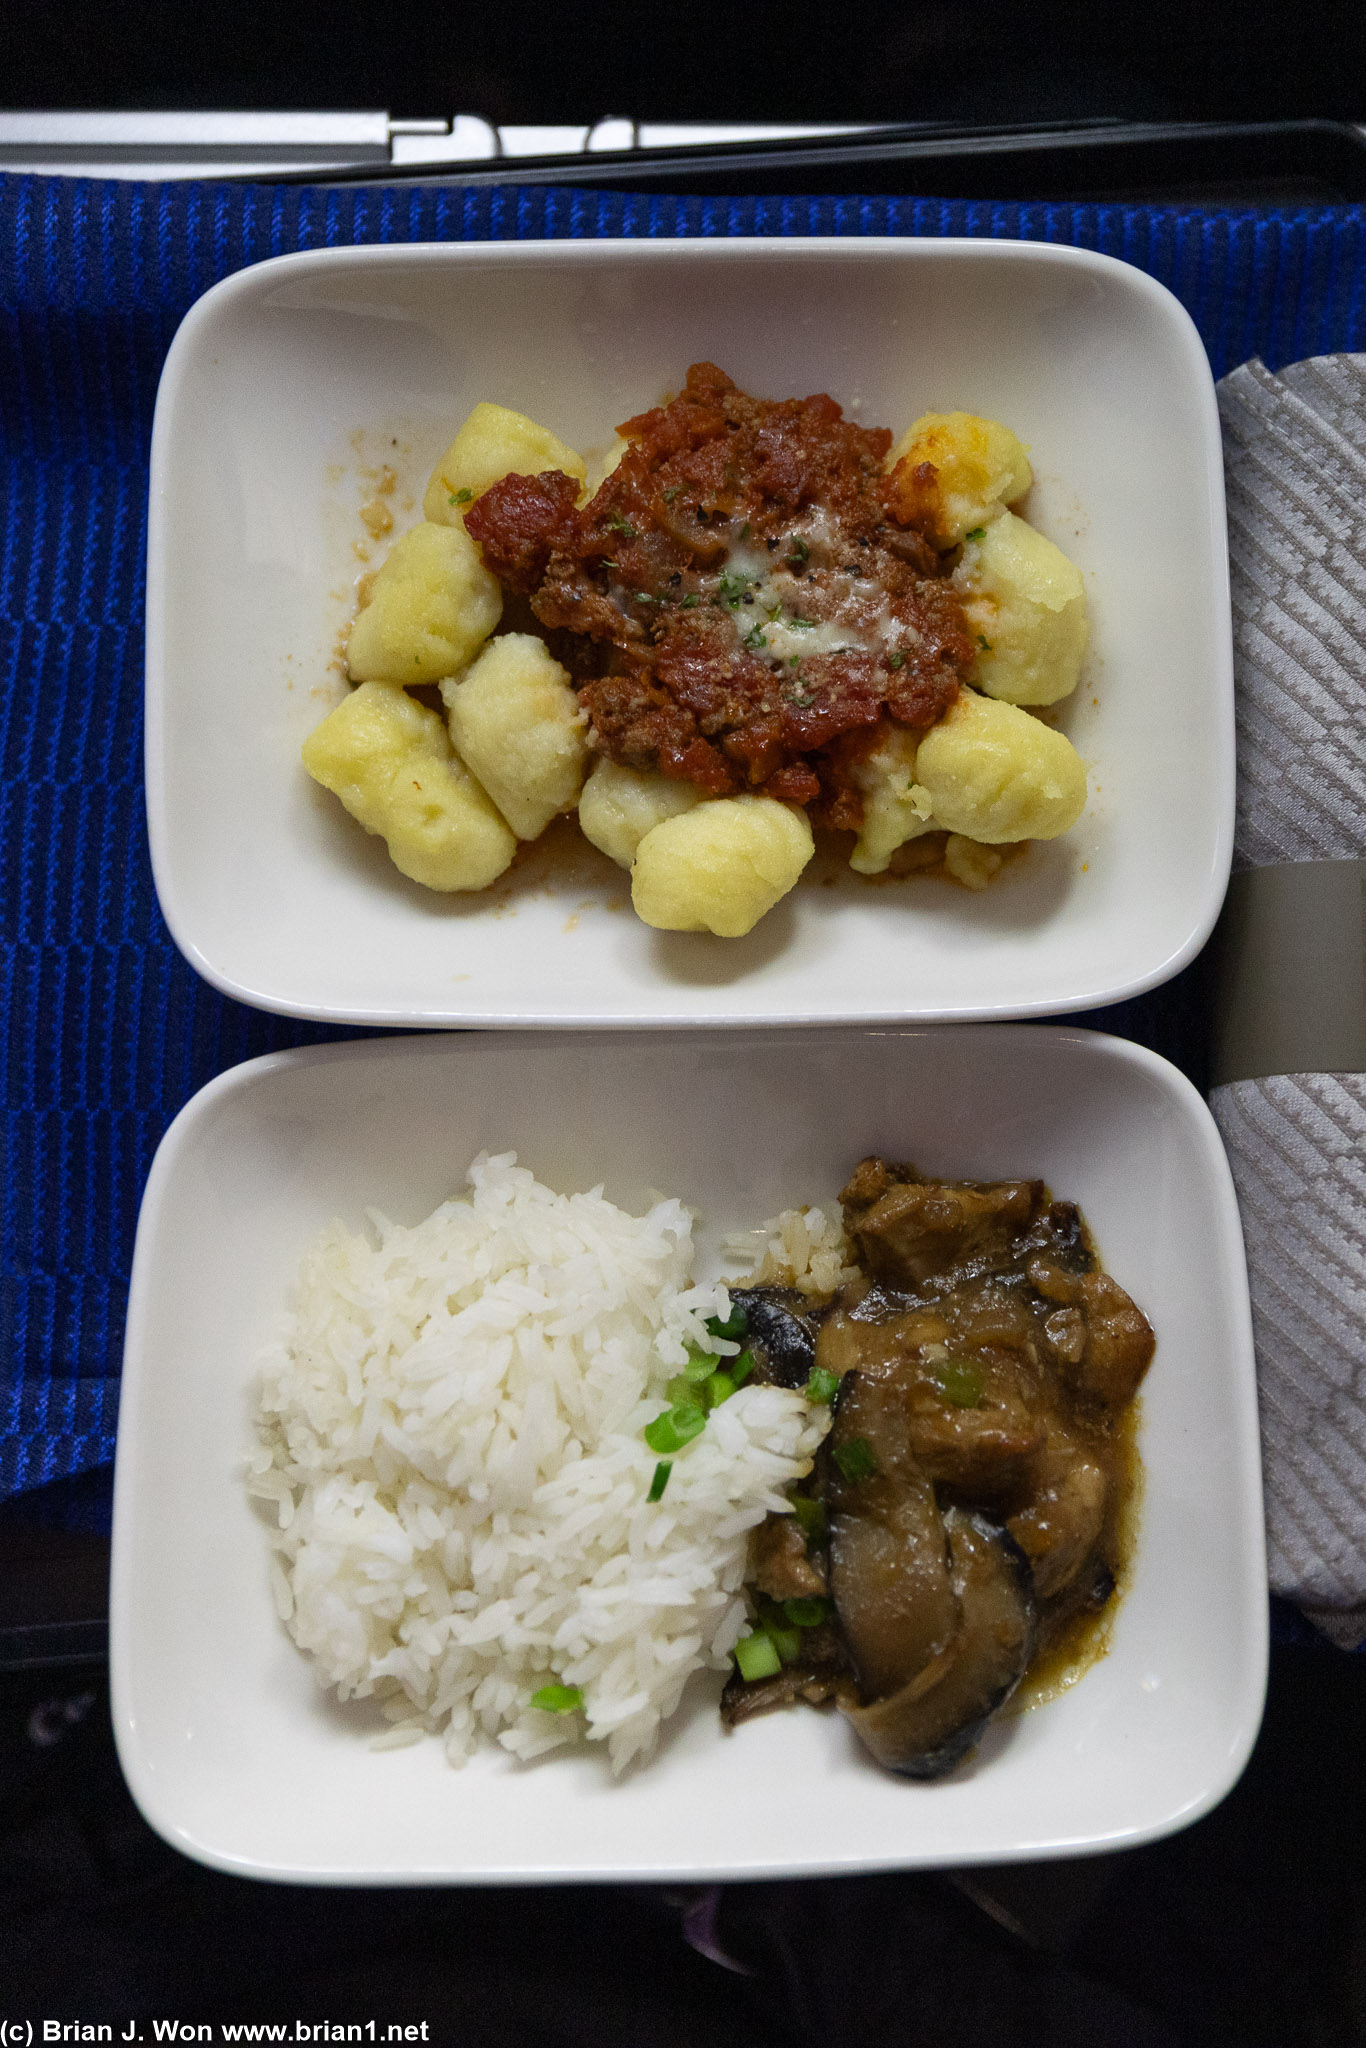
822	1385
984	643
960	1382
621	526
680	1389
558	1699
799	552
744	532
794	661
660	1481
808	1613
855	1459
687	602
644	597
701	1364
734	1325
719	1388
757	1657
741	1367
669	1432
786	1641
897	660
460	497
976	533
811	1515
802	625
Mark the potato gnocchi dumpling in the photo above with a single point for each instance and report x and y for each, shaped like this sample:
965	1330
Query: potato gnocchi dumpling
620	805
895	806
516	723
952	471
390	761
720	867
1026	603
995	774
431	607
494	442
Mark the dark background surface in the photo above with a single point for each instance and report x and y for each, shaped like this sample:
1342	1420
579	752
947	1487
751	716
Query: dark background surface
1251	1926
980	63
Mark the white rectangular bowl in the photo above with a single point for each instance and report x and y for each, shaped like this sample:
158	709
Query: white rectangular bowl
234	1753
289	381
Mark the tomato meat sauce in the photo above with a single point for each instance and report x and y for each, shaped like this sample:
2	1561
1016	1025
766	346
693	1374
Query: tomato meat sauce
738	605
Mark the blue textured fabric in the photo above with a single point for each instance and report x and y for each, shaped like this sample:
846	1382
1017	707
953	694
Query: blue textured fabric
106	1032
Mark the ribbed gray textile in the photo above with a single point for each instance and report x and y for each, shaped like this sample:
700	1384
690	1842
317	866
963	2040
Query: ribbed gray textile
1295	467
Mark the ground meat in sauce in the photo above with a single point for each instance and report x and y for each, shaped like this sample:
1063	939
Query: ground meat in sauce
737	605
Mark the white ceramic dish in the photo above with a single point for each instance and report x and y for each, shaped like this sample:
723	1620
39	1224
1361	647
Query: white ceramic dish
235	1755
287	379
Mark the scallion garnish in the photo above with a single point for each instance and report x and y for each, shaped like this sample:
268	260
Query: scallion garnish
621	526
799	554
719	1388
855	1459
744	532
660	1480
732	1326
811	1516
701	1364
897	660
689	600
809	1613
756	1657
678	1426
960	1382
741	1367
460	497
558	1699
822	1385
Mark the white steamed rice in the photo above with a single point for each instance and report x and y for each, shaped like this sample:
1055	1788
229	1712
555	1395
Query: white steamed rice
451	1430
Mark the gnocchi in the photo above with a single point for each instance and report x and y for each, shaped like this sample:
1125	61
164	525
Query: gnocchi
721	866
515	722
997	775
735	660
620	805
952	472
494	442
389	760
1026	604
432	605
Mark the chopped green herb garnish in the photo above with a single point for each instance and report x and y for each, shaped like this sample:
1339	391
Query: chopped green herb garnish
719	1388
756	1657
744	532
732	587
976	533
660	1481
855	1459
680	1389
644	597
460	497
786	1641
897	660
608	563
688	601
984	643
741	1367
672	493
794	661
701	1364
669	1432
806	1613
811	1515
798	551
756	637
960	1382
734	1325
558	1699
822	1385
802	625
621	526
